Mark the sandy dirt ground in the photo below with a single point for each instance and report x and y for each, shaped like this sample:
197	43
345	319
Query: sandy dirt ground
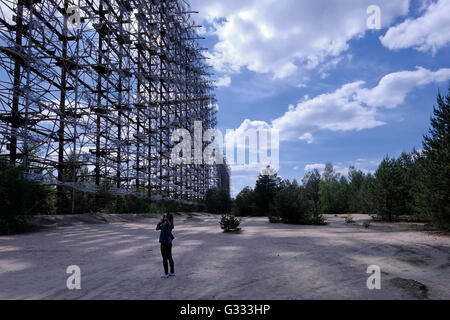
121	260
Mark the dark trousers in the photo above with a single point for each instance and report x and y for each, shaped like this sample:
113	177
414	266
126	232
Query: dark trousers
166	252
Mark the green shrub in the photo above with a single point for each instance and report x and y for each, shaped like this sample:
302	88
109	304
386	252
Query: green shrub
349	219
15	225
275	219
19	197
230	223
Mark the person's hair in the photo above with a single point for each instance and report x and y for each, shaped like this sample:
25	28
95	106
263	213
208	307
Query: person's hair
170	219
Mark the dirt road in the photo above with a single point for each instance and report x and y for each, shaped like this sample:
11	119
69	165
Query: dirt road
265	261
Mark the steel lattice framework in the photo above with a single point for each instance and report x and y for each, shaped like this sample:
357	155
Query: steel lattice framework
95	103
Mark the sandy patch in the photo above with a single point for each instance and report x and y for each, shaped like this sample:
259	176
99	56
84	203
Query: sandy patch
121	260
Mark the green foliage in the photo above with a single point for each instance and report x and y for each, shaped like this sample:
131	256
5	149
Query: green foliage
356	194
311	182
229	223
218	201
131	204
367	223
19	197
365	195
292	205
266	188
349	219
432	190
392	192
15	225
244	204
333	193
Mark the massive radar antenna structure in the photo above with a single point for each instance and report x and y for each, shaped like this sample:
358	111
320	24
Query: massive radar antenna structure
91	91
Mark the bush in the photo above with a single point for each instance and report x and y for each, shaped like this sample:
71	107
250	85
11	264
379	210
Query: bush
15	225
349	219
230	223
132	204
275	219
19	197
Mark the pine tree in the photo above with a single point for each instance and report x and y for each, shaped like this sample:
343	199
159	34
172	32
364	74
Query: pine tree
356	180
436	150
333	192
267	185
244	204
311	181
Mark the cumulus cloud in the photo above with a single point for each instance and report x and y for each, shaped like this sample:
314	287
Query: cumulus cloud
278	37
318	166
426	33
353	107
244	130
252	146
336	111
224	81
393	88
308	137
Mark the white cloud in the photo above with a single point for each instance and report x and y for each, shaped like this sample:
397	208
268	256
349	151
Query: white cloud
429	32
318	166
308	137
332	64
336	111
343	169
240	181
353	107
243	130
224	81
278	37
393	88
251	144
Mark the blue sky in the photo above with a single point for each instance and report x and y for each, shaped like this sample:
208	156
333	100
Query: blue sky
336	90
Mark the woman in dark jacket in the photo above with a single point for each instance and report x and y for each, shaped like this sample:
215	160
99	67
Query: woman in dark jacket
165	238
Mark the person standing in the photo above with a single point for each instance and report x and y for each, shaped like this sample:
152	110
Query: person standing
166	238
